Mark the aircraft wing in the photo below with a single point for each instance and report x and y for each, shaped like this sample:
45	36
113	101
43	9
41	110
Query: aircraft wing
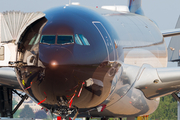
174	47
8	78
170	33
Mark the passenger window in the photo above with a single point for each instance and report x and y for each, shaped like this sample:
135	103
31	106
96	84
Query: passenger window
65	39
84	40
77	39
48	39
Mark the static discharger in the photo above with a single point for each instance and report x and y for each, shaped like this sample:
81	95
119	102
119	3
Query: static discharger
29	86
81	89
44	99
71	100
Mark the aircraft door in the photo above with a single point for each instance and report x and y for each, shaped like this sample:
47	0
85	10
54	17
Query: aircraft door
107	40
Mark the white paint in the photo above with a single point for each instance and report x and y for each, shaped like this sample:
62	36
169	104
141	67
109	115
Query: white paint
75	3
0	26
10	51
7	55
14	23
116	8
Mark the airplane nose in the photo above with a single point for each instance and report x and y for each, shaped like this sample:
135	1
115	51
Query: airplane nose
55	55
58	71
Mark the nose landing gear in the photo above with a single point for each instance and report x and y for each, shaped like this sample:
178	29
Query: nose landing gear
63	110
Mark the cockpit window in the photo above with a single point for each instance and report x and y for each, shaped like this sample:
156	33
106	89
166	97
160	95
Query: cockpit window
64	39
49	39
77	39
84	40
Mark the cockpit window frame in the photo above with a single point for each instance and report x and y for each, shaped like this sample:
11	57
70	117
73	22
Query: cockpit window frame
65	43
77	39
84	40
48	43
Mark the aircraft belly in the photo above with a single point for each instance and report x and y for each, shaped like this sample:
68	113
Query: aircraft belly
126	100
124	79
134	103
67	81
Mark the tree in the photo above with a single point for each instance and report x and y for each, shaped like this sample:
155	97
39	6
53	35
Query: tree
17	114
14	102
27	112
167	109
40	115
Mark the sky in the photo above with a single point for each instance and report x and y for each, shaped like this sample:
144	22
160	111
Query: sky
164	12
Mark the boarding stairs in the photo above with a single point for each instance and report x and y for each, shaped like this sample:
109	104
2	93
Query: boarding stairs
12	26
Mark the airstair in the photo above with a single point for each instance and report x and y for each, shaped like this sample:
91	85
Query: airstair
12	26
